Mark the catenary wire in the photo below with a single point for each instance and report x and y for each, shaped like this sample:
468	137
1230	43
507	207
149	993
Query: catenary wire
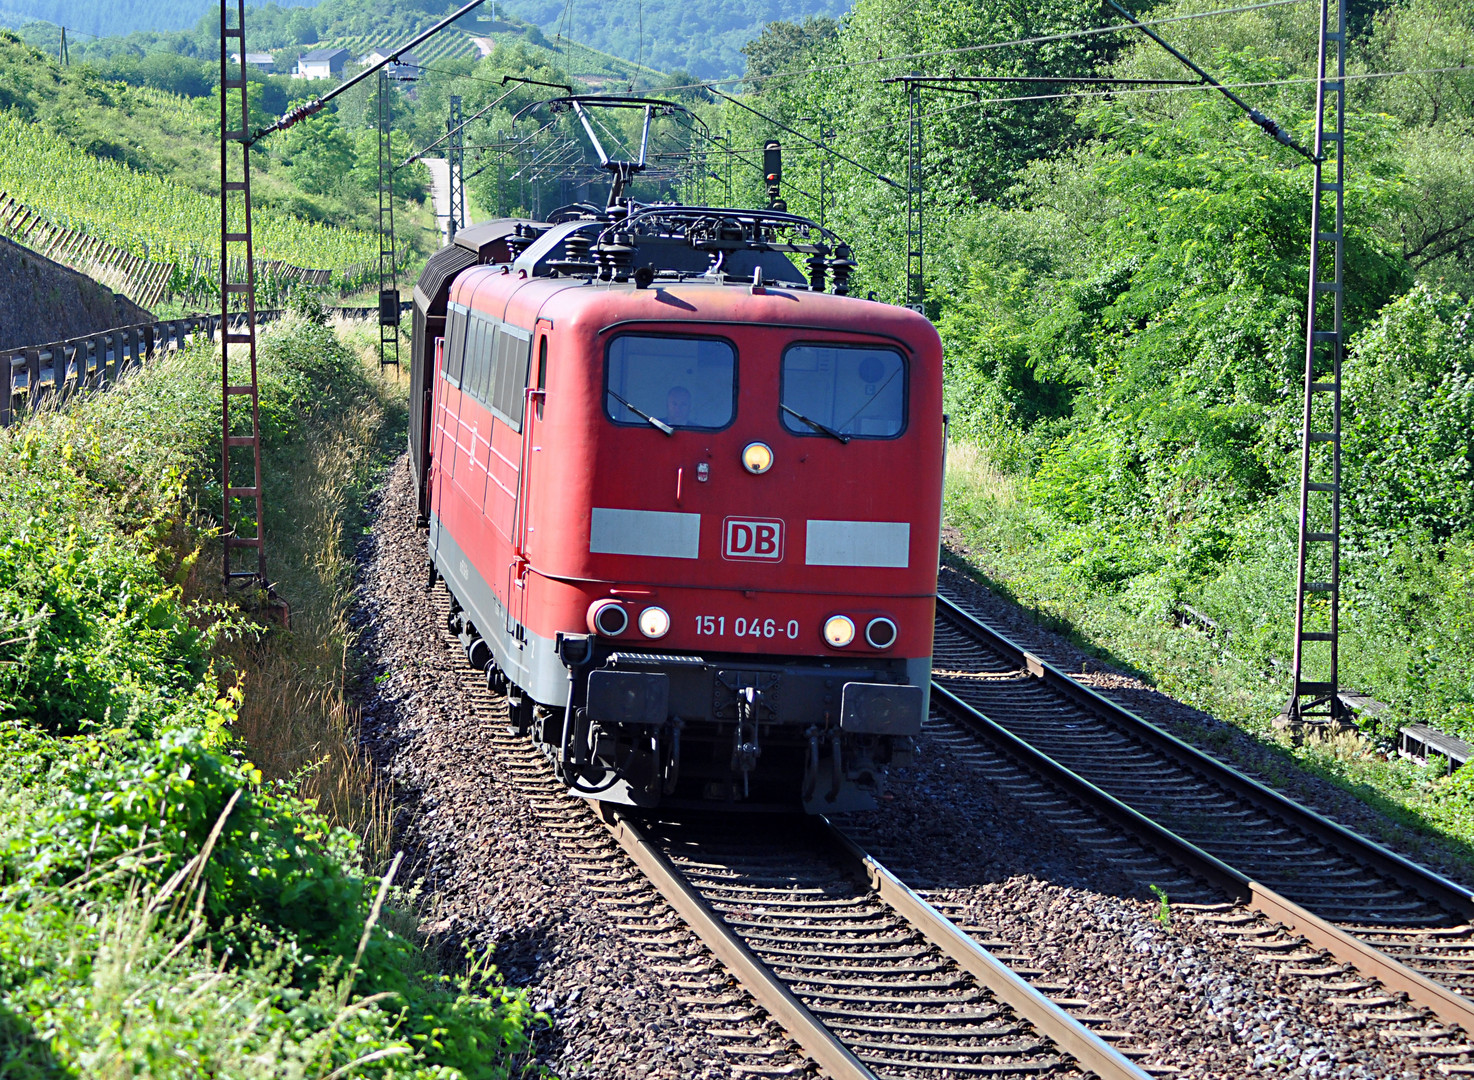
1143	91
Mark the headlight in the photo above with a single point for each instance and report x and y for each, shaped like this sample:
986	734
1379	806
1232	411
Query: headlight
654	622
608	618
881	633
757	458
839	630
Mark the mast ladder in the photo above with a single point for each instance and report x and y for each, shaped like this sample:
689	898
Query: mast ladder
456	160
240	405
915	270
388	274
1315	697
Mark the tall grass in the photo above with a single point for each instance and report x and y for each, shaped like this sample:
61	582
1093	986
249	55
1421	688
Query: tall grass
299	718
328	434
166	909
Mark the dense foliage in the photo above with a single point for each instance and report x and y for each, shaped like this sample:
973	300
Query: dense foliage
1120	278
705	37
160	905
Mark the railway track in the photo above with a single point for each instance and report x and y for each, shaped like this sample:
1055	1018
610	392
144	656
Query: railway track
867	979
1138	794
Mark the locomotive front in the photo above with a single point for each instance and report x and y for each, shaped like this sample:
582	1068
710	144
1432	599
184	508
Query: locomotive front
687	502
734	533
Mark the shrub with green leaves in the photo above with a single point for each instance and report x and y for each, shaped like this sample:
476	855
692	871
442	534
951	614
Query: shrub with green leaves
163	910
1410	420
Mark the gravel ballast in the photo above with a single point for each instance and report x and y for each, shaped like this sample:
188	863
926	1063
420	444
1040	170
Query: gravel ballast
1186	1000
494	877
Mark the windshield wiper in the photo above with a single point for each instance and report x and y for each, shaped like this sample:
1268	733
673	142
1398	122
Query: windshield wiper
825	428
643	415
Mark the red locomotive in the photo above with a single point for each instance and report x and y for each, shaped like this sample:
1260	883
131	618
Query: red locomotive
686	501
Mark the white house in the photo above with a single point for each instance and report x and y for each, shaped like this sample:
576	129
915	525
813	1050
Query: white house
263	60
321	64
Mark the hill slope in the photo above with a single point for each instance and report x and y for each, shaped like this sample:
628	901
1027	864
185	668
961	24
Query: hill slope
100	19
704	37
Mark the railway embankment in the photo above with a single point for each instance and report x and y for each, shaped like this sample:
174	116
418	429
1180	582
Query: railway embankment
501	876
1190	987
39	297
1322	775
177	897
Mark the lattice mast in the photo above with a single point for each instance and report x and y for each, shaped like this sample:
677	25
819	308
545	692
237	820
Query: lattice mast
241	432
388	274
456	159
915	268
240	412
1316	698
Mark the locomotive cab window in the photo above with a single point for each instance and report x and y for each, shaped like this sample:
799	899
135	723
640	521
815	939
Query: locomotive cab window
845	390
676	382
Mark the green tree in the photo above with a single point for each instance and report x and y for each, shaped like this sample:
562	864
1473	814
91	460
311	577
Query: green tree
787	46
1409	433
317	152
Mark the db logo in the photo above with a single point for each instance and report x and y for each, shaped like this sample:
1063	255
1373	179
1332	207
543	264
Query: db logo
752	538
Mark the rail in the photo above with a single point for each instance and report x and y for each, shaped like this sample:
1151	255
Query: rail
1454	898
1449	1006
1067	1034
92	362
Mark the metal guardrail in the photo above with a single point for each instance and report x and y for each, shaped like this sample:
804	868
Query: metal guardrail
63	369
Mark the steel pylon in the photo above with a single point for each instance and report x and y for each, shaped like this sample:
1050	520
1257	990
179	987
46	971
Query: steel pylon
1315	697
240	407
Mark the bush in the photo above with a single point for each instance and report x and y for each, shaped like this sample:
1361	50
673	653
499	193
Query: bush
163	909
1410	420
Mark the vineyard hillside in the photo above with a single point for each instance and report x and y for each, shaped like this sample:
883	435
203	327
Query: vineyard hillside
185	59
138	167
147	213
706	37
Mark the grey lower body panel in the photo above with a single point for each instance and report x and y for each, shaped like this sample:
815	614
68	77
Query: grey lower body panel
530	661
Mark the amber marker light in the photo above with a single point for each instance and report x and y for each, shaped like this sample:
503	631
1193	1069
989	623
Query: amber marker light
654	622
757	458
839	630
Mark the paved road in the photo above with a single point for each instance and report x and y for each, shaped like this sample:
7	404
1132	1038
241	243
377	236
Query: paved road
440	193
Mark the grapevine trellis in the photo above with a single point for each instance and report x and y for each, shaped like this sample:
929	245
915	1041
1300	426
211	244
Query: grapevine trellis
154	219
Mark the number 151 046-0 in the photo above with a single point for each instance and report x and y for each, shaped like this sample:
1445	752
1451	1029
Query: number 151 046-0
756	627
